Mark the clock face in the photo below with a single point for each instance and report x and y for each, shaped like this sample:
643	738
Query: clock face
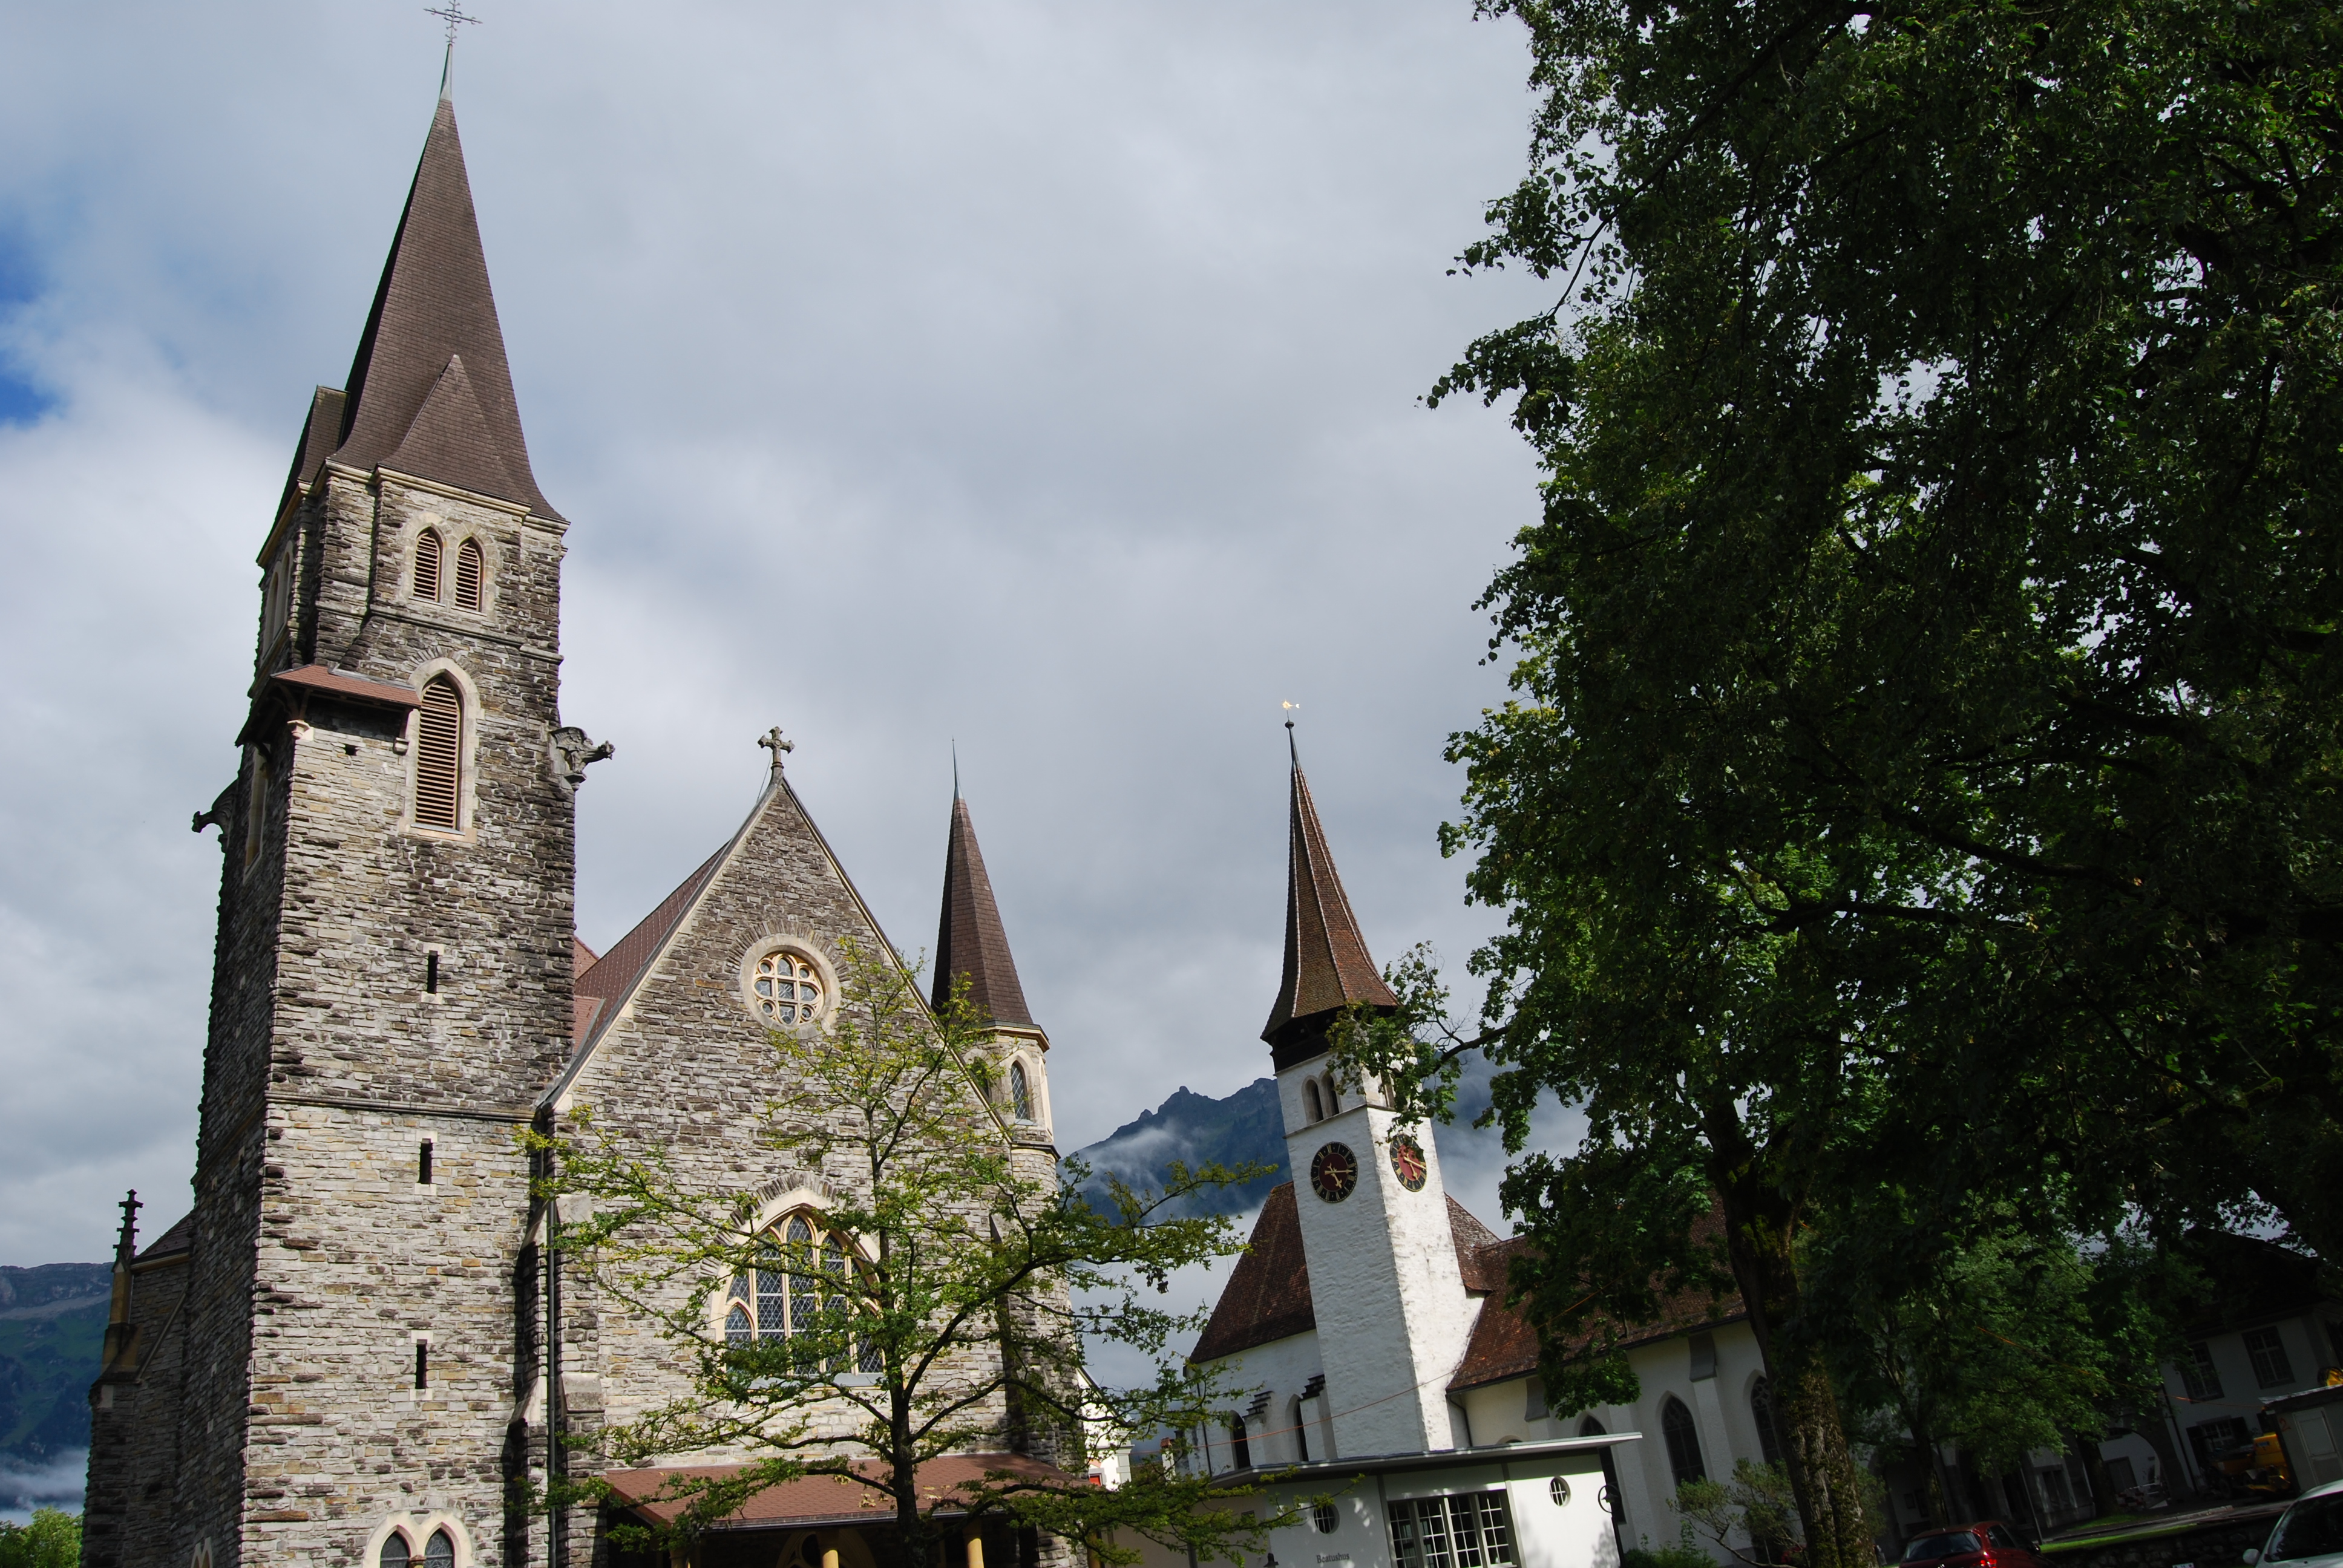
1407	1162
1333	1172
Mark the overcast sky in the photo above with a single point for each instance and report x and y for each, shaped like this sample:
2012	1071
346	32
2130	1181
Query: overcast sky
1043	376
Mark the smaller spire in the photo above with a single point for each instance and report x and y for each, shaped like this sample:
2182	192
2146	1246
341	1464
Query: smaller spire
969	938
1327	965
126	1246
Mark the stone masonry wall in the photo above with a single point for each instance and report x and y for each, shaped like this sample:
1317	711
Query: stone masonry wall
127	1515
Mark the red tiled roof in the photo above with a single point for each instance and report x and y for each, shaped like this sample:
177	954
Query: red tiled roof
329	682
970	939
1505	1346
613	976
1267	1294
821	1499
429	392
1327	965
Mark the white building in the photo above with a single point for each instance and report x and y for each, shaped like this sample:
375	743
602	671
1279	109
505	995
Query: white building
1368	1331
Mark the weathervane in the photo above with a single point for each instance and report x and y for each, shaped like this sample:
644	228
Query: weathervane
1291	709
453	14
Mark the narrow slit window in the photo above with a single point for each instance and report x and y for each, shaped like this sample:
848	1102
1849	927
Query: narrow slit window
423	1164
428	550
422	1363
438	754
431	974
469	566
1310	1105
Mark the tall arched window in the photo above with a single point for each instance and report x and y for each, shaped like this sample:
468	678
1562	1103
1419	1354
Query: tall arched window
428	553
469	568
1333	1096
440	1551
1301	1430
1761	1410
439	755
1238	1441
1682	1440
800	1280
1309	1101
1020	1092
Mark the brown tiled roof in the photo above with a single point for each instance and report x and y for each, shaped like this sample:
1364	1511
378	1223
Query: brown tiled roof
329	682
320	431
581	957
823	1499
970	939
180	1238
1327	966
601	989
1474	1242
429	393
1267	1294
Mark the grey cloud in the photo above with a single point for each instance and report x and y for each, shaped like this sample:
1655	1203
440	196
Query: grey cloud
1038	375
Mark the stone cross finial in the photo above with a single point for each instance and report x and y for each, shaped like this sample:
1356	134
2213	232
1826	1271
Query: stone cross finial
779	743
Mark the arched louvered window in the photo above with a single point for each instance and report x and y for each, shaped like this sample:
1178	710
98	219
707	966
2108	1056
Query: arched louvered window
428	553
1309	1102
439	755
1684	1441
468	569
1761	1410
440	1551
1020	1092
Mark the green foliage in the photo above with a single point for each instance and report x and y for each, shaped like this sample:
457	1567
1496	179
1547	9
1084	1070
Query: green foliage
1757	1504
1681	1555
46	1365
52	1540
955	1326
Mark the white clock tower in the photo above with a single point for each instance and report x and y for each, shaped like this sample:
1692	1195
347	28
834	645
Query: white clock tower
1384	1277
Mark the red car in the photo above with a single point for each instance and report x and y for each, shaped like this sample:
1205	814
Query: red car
1987	1543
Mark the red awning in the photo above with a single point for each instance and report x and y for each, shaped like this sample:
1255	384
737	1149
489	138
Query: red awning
831	1500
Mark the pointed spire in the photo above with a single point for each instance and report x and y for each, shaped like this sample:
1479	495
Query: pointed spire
970	939
434	319
1327	965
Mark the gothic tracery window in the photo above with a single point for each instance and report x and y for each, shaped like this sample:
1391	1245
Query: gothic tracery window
1020	1092
804	1281
788	988
1683	1441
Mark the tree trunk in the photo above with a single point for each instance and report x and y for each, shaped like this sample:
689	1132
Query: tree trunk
2095	1475
1759	1227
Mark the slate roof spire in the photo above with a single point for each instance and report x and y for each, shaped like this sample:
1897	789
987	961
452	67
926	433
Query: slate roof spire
1327	965
429	393
970	939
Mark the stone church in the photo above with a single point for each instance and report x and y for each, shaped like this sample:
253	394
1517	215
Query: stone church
357	1347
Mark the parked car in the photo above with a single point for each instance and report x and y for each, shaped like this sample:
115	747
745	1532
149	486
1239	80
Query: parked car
2311	1531
1987	1543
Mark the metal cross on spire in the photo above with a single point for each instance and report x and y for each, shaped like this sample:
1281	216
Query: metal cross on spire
453	14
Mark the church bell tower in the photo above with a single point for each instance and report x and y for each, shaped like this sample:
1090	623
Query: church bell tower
393	973
1383	1278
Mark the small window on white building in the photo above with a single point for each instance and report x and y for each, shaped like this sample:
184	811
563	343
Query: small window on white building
2271	1369
1469	1530
2198	1377
1310	1105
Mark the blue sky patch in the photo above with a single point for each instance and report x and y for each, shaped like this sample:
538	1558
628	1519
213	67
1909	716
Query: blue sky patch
21	401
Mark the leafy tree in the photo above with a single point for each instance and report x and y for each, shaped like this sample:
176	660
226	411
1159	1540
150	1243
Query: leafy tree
51	1540
1756	1504
1926	661
955	1324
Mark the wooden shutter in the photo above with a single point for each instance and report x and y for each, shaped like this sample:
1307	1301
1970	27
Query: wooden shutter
427	566
467	575
438	754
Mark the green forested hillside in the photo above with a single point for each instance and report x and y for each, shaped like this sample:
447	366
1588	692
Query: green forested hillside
52	1325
